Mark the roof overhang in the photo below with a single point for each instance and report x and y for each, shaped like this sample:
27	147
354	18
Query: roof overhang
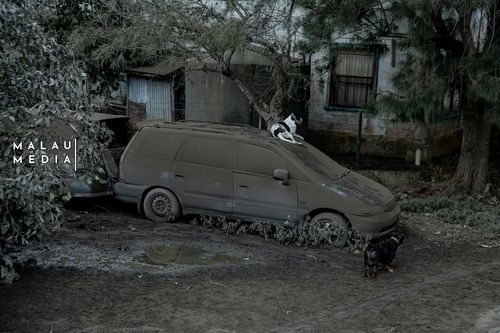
162	70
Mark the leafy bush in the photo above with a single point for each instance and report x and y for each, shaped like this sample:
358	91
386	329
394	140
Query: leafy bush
285	232
461	209
40	86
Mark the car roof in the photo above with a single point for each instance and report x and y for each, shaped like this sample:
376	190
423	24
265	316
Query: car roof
228	129
307	155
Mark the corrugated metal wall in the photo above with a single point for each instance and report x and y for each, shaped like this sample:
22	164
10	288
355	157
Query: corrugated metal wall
152	92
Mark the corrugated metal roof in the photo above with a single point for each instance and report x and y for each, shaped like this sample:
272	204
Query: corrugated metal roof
161	70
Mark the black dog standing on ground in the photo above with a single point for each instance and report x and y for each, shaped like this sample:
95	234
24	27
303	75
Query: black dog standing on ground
382	254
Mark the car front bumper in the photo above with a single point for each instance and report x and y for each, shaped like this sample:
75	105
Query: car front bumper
375	226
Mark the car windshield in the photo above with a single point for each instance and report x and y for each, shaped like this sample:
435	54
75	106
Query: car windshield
313	159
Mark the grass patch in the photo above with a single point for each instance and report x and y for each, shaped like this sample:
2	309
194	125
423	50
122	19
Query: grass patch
460	209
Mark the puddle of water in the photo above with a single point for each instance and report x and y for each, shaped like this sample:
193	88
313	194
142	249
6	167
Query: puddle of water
142	267
184	255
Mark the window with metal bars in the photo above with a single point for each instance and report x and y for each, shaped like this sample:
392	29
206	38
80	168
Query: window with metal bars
352	79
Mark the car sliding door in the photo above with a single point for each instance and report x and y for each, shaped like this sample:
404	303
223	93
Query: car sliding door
202	174
256	192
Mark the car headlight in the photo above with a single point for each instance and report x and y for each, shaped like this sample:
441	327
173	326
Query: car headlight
346	192
337	189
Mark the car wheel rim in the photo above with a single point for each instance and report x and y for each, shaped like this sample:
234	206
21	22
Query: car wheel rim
161	205
330	231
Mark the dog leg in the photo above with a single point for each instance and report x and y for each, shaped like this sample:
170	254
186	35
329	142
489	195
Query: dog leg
389	269
370	272
286	137
290	137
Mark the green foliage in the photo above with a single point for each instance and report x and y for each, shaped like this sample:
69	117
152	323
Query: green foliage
40	93
461	209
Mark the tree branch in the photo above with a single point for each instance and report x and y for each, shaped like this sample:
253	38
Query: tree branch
444	37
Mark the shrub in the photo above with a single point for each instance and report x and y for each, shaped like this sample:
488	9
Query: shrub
460	209
40	85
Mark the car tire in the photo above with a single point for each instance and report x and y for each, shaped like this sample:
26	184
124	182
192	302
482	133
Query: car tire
329	229
161	205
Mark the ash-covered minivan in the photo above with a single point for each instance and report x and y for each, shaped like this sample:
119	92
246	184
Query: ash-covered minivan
170	170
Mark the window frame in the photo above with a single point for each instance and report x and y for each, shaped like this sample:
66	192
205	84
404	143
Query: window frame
334	81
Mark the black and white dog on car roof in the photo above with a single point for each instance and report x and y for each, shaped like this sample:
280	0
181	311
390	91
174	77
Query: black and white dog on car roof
286	130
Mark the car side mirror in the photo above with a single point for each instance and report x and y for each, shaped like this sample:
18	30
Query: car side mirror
281	174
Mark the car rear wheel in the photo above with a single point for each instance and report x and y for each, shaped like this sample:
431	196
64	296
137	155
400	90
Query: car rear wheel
330	229
161	205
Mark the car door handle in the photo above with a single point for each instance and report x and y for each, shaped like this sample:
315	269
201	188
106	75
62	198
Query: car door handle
243	186
179	176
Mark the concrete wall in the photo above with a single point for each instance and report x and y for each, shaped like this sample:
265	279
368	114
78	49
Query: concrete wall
336	131
213	97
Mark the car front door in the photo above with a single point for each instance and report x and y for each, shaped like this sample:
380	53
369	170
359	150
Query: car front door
257	194
202	174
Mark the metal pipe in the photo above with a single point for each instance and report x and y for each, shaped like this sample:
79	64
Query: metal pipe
358	145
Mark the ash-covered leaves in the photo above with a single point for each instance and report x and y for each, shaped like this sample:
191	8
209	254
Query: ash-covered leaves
286	232
42	94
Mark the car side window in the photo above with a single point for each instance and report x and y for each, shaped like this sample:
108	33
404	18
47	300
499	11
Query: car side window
258	159
157	144
208	152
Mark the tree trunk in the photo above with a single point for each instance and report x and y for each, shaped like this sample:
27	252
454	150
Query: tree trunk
269	112
472	169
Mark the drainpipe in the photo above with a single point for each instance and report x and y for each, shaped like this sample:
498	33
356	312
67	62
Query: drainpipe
358	145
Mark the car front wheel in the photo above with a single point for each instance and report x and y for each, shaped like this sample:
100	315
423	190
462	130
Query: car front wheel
161	205
329	229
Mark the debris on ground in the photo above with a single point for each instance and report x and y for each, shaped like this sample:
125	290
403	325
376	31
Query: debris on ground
10	277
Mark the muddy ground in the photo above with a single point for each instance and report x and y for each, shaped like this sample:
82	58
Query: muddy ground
109	270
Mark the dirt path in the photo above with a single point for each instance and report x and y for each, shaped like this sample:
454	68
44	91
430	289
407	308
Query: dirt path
94	276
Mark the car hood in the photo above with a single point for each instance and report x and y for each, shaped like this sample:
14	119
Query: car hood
364	189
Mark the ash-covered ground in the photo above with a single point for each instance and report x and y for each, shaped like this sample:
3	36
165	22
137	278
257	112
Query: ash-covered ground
109	270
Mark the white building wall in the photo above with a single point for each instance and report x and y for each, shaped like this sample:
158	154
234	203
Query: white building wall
377	130
386	70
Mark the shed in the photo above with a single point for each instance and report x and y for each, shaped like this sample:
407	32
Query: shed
153	87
